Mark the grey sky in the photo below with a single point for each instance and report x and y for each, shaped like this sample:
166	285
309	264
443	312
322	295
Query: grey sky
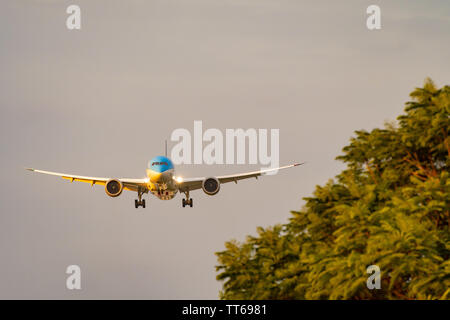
101	101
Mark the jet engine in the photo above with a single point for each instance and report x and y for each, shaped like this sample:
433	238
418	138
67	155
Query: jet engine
113	187
211	186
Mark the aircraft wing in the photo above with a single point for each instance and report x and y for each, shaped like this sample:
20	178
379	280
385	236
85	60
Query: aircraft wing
128	184
196	183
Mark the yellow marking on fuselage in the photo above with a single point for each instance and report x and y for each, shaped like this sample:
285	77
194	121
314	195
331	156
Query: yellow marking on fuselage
153	175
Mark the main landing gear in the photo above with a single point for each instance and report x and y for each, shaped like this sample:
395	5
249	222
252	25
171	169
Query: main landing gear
139	202
188	201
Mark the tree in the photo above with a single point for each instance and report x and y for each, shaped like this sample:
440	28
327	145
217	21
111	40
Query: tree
389	207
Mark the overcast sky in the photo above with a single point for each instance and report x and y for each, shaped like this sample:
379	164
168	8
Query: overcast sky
101	101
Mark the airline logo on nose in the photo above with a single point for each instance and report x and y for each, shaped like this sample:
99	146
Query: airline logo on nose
160	164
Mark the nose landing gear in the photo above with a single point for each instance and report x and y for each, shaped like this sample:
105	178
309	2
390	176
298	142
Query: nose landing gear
188	201
139	202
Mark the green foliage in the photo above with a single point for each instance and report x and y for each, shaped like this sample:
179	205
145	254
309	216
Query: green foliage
390	208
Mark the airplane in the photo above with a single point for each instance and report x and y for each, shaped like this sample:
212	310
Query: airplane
162	182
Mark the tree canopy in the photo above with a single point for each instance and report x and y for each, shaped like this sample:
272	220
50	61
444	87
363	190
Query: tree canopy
389	207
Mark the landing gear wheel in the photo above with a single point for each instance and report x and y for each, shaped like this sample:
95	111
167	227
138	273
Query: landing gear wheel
187	201
139	202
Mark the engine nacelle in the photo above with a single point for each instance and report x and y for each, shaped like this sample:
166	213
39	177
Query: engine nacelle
211	186
113	187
